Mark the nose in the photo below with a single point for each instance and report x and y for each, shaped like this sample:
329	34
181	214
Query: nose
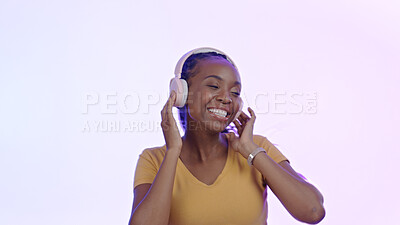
224	98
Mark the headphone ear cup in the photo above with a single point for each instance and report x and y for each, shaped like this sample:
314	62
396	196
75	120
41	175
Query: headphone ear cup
181	89
240	109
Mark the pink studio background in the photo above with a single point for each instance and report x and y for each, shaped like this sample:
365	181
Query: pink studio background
67	65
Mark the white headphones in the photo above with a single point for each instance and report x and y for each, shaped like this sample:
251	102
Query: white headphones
180	85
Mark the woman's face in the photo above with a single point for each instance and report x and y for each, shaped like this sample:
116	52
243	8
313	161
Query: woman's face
213	96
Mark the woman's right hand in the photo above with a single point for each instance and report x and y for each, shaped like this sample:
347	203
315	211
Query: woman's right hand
171	133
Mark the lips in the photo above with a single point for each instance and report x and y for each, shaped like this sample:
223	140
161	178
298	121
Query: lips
219	114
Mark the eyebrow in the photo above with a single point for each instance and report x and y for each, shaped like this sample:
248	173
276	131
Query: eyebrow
219	78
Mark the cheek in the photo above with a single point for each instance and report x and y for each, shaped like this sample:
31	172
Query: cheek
197	101
239	105
204	98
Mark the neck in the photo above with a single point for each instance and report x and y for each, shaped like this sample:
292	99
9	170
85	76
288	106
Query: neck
202	146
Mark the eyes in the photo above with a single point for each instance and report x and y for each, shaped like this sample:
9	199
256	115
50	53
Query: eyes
215	87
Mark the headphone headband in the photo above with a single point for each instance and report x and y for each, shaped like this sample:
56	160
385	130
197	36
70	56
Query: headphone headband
182	60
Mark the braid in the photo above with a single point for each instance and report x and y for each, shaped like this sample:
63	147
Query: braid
189	66
188	70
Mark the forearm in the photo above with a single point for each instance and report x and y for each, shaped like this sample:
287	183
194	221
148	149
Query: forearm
300	198
155	206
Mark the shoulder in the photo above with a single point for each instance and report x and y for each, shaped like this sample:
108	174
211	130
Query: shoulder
148	165
270	148
155	151
260	140
154	154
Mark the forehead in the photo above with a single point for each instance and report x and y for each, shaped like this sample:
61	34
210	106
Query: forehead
216	66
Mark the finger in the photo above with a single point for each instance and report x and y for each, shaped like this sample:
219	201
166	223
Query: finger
165	108
248	129
244	116
170	103
238	127
172	97
253	115
231	136
237	124
241	120
240	123
237	120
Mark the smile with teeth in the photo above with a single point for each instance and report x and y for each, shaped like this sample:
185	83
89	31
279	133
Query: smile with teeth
219	112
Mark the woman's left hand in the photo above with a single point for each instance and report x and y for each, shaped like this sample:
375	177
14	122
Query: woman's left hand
244	143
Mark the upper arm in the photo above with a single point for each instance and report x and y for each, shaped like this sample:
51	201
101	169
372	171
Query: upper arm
139	193
146	170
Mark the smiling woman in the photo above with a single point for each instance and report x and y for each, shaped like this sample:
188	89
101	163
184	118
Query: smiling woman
214	95
210	176
199	63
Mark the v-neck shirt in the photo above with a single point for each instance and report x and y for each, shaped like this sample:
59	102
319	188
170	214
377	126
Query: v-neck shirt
235	197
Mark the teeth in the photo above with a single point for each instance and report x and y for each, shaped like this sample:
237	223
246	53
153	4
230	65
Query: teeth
219	112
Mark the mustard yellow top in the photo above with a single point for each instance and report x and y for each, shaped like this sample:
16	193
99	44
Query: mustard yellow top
236	196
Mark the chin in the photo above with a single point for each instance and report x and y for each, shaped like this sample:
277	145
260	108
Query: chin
216	127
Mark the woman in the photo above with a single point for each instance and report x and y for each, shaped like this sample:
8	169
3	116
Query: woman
209	176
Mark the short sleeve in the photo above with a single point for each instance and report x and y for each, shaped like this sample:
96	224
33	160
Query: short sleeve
270	148
272	152
146	168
